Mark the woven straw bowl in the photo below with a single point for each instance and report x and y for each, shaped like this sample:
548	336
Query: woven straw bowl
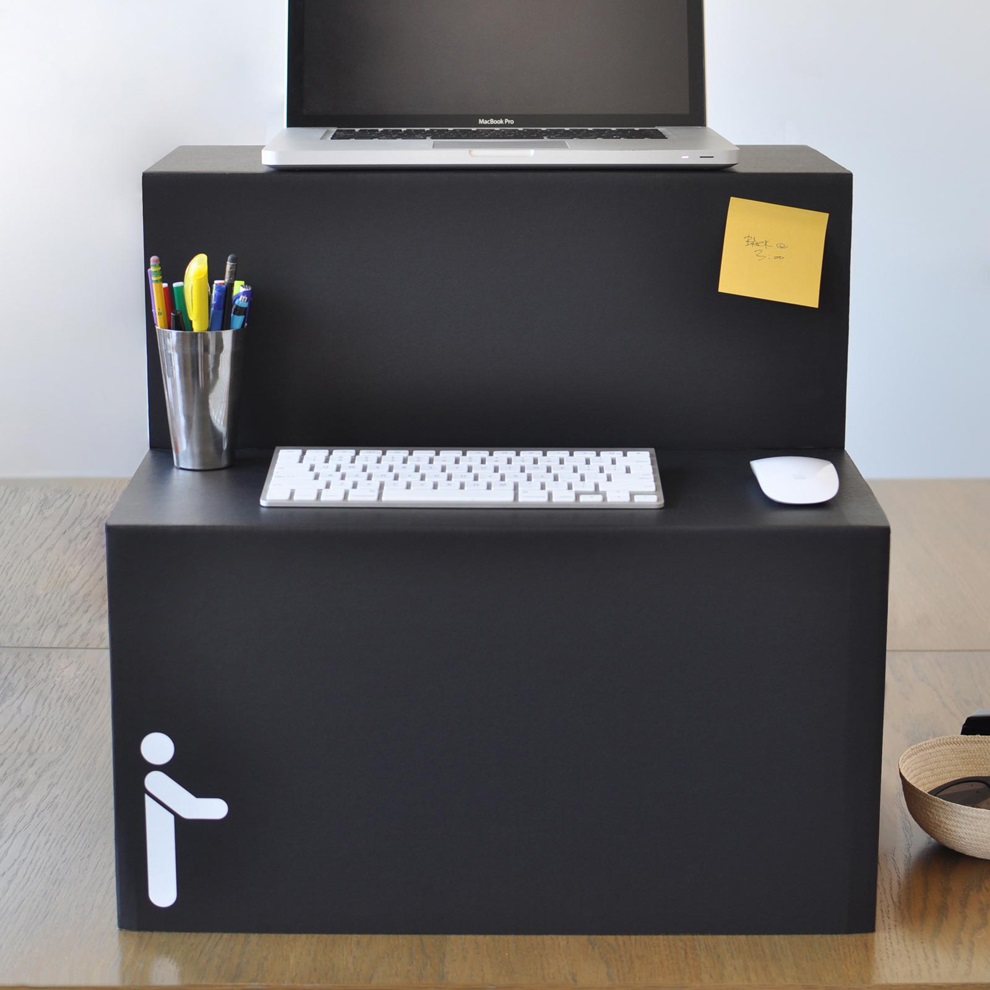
935	762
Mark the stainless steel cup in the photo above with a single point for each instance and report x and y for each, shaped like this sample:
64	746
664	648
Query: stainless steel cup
202	377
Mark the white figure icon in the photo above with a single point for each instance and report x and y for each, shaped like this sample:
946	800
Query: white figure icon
158	748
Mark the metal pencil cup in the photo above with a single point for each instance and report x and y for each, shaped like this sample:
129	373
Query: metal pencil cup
202	377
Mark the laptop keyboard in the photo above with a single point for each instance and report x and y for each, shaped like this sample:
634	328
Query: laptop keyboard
496	133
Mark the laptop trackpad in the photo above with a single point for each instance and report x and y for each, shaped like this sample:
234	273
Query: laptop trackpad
500	149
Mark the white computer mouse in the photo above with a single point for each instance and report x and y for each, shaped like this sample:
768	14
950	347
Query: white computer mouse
796	480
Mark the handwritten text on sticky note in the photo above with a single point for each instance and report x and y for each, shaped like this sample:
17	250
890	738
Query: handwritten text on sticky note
773	252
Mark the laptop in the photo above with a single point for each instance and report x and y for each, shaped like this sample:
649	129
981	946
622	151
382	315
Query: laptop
468	83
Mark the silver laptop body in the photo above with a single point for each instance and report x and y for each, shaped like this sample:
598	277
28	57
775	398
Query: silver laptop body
452	83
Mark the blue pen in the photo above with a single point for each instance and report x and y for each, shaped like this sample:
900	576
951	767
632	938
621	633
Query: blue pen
239	311
216	305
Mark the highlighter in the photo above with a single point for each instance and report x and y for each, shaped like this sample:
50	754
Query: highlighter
196	290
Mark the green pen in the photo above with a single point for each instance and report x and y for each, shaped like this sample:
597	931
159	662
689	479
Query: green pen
179	301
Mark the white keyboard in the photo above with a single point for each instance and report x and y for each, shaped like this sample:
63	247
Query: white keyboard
463	479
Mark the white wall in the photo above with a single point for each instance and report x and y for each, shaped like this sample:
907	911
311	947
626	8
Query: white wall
897	91
91	94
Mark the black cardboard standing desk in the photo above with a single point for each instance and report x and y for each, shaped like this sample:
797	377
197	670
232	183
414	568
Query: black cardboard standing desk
490	721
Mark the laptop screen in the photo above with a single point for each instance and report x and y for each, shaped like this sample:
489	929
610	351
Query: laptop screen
470	63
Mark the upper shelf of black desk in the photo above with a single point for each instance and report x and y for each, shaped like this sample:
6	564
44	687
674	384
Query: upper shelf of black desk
510	307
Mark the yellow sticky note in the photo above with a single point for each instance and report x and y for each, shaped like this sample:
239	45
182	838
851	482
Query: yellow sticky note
773	252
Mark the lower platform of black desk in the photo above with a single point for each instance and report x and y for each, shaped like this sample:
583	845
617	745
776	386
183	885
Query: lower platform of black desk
503	722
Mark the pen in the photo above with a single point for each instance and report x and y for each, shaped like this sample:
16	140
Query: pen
197	293
239	310
169	303
217	305
228	280
179	301
157	296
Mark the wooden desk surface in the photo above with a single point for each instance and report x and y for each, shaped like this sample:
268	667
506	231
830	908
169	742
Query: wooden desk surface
57	909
